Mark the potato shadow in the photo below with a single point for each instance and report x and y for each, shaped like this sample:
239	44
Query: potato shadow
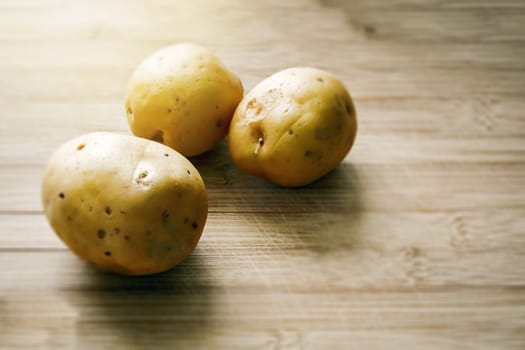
165	310
323	216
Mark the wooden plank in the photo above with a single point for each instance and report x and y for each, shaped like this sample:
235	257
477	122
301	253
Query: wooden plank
336	251
401	186
196	299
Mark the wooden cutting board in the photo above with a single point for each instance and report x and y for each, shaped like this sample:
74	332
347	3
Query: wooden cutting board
416	241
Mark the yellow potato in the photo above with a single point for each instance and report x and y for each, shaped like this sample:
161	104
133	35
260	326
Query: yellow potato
123	203
293	127
184	97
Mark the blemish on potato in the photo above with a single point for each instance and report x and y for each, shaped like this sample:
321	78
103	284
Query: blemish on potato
117	230
62	195
308	153
158	136
108	211
348	108
290	131
127	238
123	212
169	110
148	232
107	253
319	79
101	233
130	111
218	124
165	216
194	225
166	155
141	178
81	147
321	134
186	220
188	171
253	105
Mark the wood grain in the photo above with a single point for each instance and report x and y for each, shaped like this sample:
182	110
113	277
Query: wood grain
417	240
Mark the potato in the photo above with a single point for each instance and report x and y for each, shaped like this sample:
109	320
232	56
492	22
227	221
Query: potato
184	97
293	127
123	203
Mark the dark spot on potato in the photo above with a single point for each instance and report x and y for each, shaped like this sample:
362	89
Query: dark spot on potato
143	174
81	147
62	195
188	171
216	107
260	141
69	218
308	153
177	99
117	230
218	124
194	225
290	131
169	110
186	220
166	155
123	212
148	232
101	233
126	237
130	111
108	211
158	136
319	79
165	216
90	208
348	108
168	248
321	134
107	253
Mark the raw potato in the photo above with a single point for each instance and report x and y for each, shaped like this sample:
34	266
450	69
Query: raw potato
293	127
123	203
184	97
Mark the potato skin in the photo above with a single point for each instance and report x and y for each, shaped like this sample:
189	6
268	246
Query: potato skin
293	127
184	97
123	203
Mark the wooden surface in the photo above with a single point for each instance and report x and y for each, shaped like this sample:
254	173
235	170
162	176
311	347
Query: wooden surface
417	241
